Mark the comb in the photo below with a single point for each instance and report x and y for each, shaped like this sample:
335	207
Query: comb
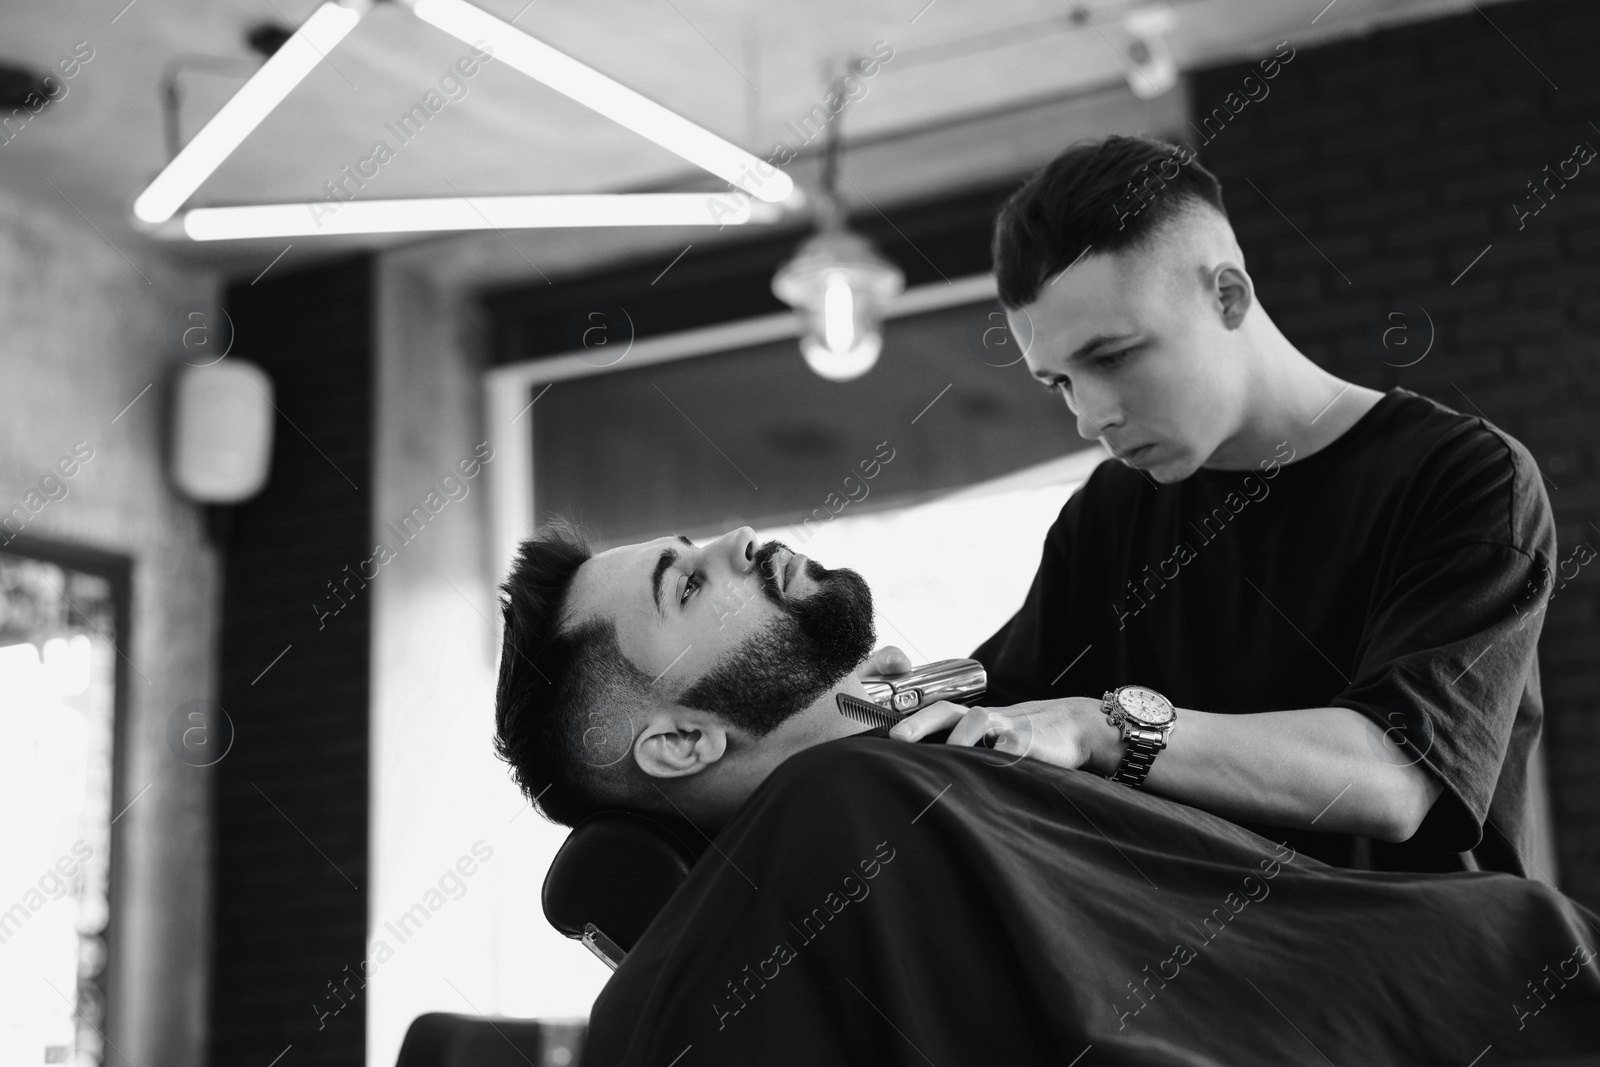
864	711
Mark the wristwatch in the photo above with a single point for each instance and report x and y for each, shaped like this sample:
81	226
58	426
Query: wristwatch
1145	718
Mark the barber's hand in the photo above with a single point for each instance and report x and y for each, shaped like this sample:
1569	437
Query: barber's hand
1069	732
887	660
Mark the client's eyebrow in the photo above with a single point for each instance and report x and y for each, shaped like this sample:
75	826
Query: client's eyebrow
669	556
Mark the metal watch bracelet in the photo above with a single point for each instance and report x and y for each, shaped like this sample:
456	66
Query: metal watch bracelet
1136	761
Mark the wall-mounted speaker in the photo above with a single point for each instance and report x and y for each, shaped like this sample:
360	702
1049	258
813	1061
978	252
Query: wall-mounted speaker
222	431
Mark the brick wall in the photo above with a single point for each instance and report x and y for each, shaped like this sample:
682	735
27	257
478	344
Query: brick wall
84	335
292	793
1398	158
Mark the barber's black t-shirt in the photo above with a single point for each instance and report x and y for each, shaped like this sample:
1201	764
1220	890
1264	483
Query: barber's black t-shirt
1401	571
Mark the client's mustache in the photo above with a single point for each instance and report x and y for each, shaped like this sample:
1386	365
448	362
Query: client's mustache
766	570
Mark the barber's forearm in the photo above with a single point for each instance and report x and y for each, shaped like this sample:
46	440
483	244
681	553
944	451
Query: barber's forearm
1315	768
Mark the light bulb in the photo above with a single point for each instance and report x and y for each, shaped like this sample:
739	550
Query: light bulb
838	313
842	366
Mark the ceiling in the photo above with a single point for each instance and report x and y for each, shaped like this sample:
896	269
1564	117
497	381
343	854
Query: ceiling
742	68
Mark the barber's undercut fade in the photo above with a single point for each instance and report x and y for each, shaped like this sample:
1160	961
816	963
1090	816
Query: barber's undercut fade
562	703
1097	197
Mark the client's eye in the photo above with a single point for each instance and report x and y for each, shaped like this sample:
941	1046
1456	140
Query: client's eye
1110	360
691	585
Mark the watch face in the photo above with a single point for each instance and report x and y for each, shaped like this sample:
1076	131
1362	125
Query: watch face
1145	706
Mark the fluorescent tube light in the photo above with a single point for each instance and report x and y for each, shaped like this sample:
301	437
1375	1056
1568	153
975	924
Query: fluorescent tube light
254	101
473	213
610	98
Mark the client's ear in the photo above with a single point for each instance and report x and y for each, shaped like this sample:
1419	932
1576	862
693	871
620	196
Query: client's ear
678	742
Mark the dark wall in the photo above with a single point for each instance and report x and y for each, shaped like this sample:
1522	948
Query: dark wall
1381	169
292	793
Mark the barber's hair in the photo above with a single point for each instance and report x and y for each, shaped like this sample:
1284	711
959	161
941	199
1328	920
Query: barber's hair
559	706
1103	196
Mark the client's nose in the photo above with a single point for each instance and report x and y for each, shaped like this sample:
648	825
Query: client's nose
738	547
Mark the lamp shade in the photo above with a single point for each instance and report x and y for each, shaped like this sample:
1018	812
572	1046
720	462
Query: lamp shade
841	286
222	431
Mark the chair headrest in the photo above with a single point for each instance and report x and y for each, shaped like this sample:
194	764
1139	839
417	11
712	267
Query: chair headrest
616	871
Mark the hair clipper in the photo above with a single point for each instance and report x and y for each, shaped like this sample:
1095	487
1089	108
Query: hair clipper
895	696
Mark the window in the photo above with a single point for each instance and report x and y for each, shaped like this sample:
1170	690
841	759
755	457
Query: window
58	677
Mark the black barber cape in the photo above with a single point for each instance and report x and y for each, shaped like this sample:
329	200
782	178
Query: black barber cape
1401	571
883	903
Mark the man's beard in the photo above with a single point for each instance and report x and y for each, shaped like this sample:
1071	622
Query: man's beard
784	667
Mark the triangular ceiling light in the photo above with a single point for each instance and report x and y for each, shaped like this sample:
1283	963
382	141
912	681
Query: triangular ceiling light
333	21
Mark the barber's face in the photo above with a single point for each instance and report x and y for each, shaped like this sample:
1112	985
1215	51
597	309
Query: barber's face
1141	357
751	632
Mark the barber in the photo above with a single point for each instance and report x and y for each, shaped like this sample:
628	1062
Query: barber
1301	604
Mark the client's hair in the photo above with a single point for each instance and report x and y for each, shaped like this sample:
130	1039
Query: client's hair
1105	195
559	686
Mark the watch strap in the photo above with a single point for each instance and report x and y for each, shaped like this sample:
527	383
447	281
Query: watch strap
1141	753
